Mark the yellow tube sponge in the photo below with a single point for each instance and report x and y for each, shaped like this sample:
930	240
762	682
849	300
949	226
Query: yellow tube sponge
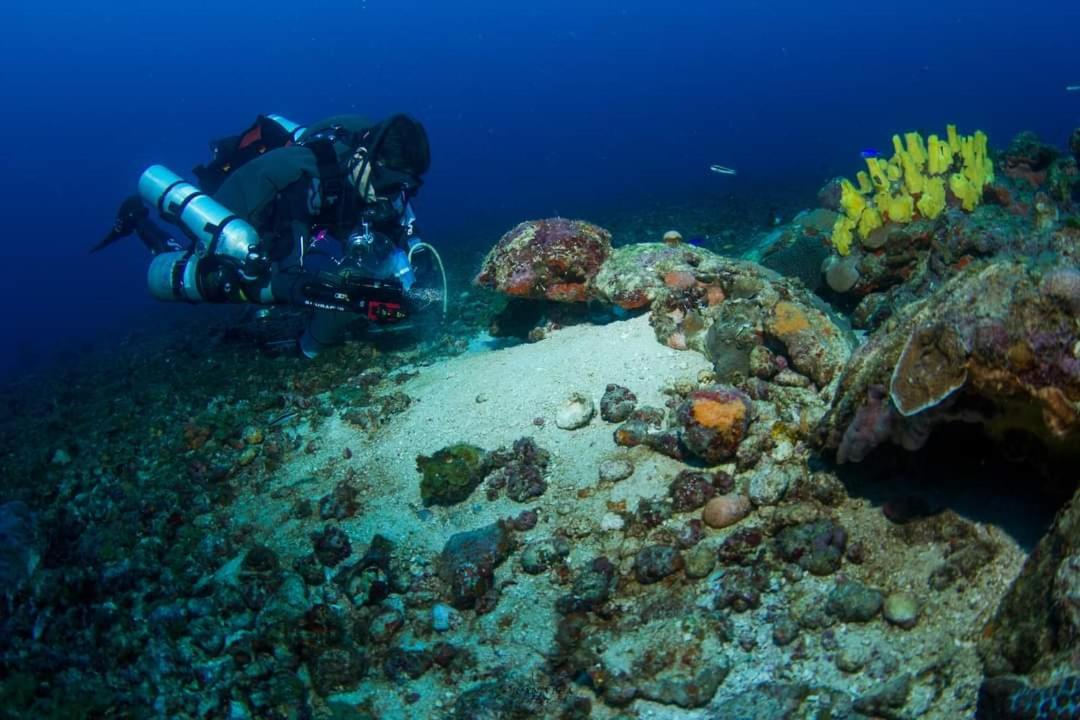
932	201
940	156
841	234
915	148
877	173
851	200
893	170
914	180
917	181
864	182
965	191
898	208
869	221
954	139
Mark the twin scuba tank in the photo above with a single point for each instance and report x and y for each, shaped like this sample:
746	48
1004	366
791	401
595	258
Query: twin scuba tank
215	231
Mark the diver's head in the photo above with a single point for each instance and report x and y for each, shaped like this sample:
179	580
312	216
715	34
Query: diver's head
390	158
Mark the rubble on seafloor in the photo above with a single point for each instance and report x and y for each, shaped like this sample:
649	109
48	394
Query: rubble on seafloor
669	515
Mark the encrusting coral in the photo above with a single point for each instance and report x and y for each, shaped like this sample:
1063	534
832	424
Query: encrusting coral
913	183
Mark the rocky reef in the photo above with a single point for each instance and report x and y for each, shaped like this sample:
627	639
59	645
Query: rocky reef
699	506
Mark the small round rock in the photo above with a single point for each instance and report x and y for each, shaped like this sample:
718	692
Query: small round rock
615	469
901	609
440	617
575	412
700	561
725	510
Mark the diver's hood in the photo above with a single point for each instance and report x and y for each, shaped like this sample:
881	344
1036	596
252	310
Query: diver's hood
399	147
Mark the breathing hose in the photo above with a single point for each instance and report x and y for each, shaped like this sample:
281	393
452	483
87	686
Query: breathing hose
442	271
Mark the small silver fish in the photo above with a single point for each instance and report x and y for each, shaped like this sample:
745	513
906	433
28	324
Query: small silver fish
721	170
1072	88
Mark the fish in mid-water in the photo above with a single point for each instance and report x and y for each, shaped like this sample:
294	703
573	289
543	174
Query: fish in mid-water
869	153
1072	88
721	170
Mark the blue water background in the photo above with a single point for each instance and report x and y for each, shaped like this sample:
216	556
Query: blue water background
533	109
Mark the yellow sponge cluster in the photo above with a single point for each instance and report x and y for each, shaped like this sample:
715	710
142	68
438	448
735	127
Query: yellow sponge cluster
912	183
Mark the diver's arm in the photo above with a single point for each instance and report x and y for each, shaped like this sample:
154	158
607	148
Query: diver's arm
253	187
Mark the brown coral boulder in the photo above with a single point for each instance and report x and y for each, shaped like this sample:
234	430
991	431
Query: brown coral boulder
638	274
810	339
713	422
997	343
724	308
1035	627
552	259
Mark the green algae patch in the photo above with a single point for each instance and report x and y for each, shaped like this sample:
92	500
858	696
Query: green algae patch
451	474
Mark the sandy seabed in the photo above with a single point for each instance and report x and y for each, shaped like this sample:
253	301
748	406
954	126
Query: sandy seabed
492	398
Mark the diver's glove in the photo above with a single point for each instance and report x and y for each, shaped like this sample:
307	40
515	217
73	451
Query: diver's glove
131	213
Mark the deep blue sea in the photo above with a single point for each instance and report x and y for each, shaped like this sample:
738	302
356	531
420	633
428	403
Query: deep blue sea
533	109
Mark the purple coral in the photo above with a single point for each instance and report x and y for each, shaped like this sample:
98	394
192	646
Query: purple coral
871	426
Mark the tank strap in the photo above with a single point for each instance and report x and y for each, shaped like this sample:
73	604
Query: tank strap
331	178
215	232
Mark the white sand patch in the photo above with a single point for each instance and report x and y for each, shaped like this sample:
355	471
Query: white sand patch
515	385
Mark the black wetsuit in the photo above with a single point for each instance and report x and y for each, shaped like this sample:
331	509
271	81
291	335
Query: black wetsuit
284	197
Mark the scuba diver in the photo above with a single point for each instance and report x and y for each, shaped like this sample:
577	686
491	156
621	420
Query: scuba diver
317	216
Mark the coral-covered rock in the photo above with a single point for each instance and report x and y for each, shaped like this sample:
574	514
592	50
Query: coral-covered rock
520	470
504	698
539	555
713	422
451	474
553	259
690	490
468	561
617	403
682	664
592	586
337	669
851	601
723	308
636	275
809	339
797	249
1028	158
817	546
1013	364
740	589
742	547
331	545
653	563
1035	627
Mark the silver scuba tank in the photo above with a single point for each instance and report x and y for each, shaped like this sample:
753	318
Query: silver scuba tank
182	277
215	230
295	130
173	276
